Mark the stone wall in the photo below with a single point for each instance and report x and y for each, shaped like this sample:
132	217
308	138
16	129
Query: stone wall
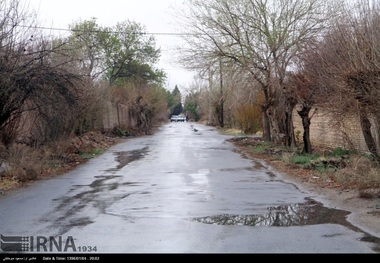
327	131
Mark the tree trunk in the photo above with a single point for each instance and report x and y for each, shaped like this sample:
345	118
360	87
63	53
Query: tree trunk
266	126
221	117
304	114
366	129
276	137
290	139
221	113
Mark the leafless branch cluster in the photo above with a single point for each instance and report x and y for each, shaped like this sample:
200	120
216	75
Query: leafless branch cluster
52	87
300	54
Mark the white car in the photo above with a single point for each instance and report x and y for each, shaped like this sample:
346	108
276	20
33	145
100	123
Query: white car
178	118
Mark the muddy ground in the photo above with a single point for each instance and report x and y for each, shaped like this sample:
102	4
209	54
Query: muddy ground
365	212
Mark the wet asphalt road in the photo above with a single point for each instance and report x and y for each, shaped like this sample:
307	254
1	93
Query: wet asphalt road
183	190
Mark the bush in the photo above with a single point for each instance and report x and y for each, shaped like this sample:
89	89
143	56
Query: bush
248	118
25	163
361	172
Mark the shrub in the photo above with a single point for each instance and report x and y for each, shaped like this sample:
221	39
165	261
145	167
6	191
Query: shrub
25	162
361	172
340	152
248	118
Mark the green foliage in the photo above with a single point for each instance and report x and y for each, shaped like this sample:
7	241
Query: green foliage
304	159
262	147
174	101
321	168
176	93
170	99
91	153
192	104
193	109
131	54
178	109
123	52
120	132
340	152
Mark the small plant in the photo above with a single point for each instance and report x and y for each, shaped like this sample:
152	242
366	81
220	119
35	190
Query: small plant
261	147
117	131
340	152
91	154
301	159
322	168
304	160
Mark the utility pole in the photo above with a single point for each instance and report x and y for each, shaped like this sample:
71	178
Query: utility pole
209	100
221	113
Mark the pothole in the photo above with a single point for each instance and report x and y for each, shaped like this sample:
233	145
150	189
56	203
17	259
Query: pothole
309	213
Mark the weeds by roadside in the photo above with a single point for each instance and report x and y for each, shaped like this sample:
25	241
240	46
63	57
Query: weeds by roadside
333	168
20	163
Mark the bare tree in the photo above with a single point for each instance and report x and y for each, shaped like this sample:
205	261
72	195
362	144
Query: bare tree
30	81
302	91
349	57
261	36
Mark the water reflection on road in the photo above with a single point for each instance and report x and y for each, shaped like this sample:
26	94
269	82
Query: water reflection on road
185	189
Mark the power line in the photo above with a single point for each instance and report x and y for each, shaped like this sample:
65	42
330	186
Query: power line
114	32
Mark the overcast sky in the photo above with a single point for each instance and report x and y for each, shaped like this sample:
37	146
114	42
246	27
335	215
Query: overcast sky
155	15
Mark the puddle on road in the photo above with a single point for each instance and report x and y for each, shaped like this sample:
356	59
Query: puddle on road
124	158
237	169
72	211
309	213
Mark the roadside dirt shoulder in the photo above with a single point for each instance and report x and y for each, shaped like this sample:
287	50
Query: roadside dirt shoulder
365	212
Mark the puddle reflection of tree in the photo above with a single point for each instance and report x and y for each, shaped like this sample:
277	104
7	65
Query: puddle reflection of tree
310	213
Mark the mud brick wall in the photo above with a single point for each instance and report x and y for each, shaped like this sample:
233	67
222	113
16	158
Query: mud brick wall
118	116
325	131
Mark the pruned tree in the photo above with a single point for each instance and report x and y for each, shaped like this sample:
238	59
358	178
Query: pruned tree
263	37
302	91
349	57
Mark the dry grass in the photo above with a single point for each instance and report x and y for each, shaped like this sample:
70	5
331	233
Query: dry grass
23	163
363	174
248	117
360	173
8	184
20	163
